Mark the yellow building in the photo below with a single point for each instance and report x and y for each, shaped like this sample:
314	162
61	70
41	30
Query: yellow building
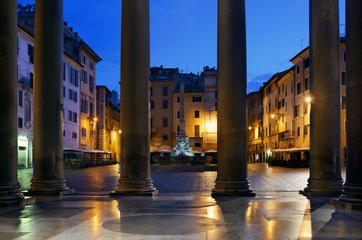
193	109
108	124
162	86
209	76
255	127
286	116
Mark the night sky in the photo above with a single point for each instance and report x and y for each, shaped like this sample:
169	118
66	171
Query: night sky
183	34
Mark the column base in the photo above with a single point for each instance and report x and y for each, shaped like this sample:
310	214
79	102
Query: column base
10	195
350	198
232	188
55	187
323	188
134	188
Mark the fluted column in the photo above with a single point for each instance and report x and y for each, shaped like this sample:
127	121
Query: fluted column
10	191
352	189
135	69
325	172
48	176
231	136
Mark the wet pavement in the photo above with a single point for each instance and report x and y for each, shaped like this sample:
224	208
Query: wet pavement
183	209
103	179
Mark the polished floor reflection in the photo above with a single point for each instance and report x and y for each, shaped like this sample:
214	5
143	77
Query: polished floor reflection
278	216
186	212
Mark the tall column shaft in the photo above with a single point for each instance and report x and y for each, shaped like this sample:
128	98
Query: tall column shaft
135	69
231	138
182	131
352	189
48	137
9	186
325	173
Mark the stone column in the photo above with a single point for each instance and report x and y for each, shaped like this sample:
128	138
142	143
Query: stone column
182	131
135	125
231	119
352	189
9	186
48	138
325	172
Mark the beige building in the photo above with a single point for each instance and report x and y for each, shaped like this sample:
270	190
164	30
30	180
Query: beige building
162	86
286	116
88	115
193	110
255	127
108	124
209	76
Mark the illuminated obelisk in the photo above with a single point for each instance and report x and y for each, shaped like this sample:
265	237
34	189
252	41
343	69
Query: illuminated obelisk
182	148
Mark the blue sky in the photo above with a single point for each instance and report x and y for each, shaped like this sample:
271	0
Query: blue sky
183	34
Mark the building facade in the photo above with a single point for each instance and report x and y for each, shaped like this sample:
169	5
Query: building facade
79	90
286	106
108	124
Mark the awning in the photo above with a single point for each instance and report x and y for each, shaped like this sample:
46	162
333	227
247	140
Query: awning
305	149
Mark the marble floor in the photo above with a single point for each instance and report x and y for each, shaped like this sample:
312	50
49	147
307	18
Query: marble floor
269	215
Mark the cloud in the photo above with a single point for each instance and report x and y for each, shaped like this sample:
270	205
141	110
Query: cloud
255	81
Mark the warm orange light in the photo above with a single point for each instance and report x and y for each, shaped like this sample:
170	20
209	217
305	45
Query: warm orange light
120	131
308	99
249	128
272	116
95	119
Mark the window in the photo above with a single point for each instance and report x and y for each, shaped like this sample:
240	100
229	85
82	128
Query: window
297	111
178	99
20	98
152	104
164	137
151	91
197	114
74	135
292	88
27	112
64	70
91	107
164	104
84	104
84	132
178	114
343	78
344	56
306	130
299	88
198	145
164	122
91	83
31	53
164	91
286	91
197	130
20	123
31	79
73	76
306	63
85	77
63	92
196	98
297	69
91	65
343	102
306	84
298	131
84	59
